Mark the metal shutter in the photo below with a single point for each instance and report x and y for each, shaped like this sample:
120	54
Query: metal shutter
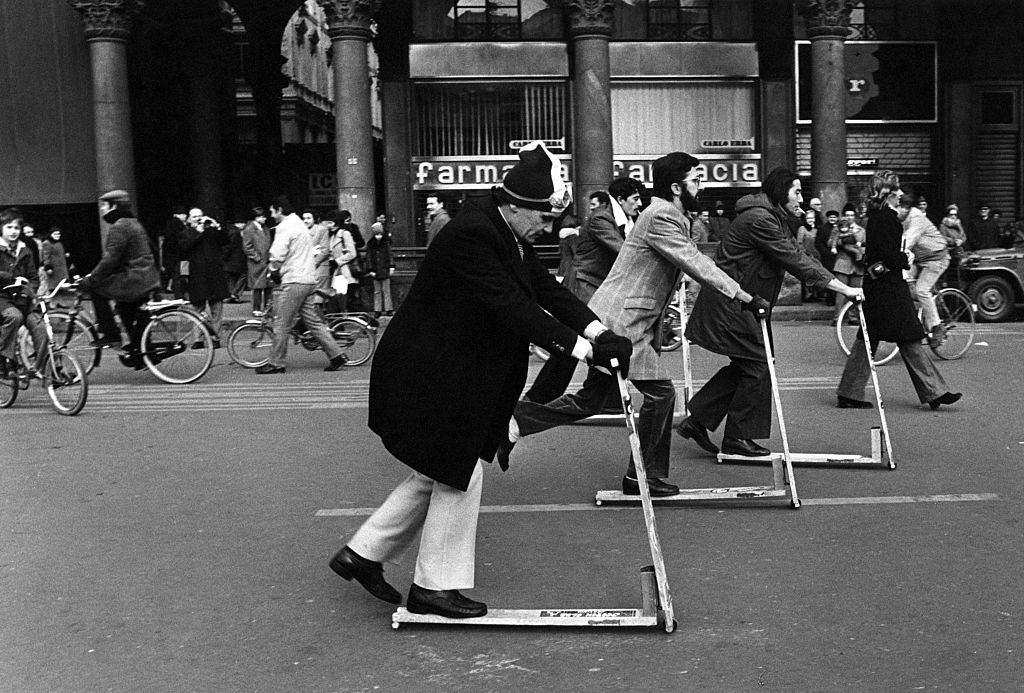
996	176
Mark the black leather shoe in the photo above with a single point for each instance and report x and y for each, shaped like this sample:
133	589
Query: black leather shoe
447	603
947	398
370	574
688	428
744	447
658	487
132	360
336	363
848	403
269	369
504	450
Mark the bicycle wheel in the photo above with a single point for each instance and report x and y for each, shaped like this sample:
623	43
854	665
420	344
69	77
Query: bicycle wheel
250	343
8	392
66	383
847	326
671	329
177	347
356	340
78	337
957	315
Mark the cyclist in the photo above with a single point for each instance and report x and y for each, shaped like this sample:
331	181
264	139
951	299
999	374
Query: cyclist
17	271
931	258
127	272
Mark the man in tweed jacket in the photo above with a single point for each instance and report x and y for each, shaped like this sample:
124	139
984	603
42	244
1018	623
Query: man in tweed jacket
631	302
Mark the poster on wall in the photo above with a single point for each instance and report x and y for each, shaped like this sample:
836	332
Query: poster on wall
885	81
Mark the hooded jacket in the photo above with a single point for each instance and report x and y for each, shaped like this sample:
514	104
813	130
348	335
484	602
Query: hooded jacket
757	250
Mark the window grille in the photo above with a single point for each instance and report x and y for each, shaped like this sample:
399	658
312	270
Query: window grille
488	20
873	21
679	20
476	119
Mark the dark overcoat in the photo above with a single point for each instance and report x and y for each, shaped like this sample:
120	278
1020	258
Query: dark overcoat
888	305
757	250
127	270
453	362
204	251
600	243
256	244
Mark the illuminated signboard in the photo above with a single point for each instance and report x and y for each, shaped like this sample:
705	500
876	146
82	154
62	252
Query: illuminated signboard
468	173
885	81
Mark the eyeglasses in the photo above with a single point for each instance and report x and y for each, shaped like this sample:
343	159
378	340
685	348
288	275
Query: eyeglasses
696	178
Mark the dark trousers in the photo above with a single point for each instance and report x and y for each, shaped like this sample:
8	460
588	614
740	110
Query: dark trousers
261	298
654	425
105	318
134	321
741	393
552	380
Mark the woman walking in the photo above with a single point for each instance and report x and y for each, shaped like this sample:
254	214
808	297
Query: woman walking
888	306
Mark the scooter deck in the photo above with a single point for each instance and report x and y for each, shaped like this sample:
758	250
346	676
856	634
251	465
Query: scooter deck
760	495
802	459
541	618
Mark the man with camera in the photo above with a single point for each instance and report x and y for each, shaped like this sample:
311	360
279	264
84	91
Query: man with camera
202	242
293	259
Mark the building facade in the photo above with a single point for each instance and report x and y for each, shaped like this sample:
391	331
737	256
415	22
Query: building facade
200	99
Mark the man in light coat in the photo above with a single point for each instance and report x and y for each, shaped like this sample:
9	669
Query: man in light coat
631	301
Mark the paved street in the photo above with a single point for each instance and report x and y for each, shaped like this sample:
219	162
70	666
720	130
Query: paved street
176	538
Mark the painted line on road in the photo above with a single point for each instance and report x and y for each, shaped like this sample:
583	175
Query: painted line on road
574	507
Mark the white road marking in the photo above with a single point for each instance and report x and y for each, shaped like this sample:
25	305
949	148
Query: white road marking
575	507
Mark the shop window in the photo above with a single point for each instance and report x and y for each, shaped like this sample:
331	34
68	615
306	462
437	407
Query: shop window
679	20
478	119
487	20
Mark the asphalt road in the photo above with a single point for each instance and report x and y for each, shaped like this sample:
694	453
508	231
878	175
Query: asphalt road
176	538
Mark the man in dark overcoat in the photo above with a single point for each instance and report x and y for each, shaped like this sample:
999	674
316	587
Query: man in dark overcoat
202	243
256	245
448	371
757	250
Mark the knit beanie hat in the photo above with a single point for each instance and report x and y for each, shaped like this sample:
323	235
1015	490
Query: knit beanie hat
535	182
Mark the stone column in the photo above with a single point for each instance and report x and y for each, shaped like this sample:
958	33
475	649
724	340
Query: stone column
349	28
828	25
107	28
590	27
201	63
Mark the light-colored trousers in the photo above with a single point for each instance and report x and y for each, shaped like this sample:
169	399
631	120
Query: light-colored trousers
923	276
297	299
448	518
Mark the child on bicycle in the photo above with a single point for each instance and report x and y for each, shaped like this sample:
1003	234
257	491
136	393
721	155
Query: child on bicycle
18	279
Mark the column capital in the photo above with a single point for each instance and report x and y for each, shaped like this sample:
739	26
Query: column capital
590	17
109	20
826	19
350	18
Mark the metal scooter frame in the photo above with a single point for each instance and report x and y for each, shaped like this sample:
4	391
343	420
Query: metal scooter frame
656	598
781	491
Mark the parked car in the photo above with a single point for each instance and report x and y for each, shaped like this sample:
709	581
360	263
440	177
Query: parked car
994	278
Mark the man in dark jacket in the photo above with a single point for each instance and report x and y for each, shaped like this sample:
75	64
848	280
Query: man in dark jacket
757	250
202	242
127	272
17	268
448	371
983	231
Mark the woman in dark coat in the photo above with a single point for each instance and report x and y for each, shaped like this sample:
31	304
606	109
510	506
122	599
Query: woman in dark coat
889	308
757	251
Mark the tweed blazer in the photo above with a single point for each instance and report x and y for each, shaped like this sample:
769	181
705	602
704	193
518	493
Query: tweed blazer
644	278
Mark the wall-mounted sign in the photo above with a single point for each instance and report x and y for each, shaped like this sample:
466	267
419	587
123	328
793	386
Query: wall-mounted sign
469	173
741	145
323	190
885	81
862	163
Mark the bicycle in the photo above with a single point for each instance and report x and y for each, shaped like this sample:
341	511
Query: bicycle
72	329
177	342
59	371
250	343
956	315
